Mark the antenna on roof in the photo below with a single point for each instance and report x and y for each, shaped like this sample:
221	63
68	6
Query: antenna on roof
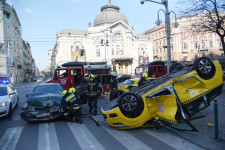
109	1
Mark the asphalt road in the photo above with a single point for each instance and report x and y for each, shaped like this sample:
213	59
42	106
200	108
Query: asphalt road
21	135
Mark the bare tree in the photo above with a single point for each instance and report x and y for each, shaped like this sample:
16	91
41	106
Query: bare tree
213	15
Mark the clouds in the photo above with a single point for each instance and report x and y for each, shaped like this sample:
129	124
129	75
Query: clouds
30	11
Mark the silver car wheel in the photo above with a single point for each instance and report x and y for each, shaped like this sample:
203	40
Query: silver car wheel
129	103
205	66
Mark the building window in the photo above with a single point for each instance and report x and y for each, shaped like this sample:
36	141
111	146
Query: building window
203	44
117	37
98	54
7	14
210	44
195	45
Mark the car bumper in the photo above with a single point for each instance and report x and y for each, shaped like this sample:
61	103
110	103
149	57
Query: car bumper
4	110
115	118
37	116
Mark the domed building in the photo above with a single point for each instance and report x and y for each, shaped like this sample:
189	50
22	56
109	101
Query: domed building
110	39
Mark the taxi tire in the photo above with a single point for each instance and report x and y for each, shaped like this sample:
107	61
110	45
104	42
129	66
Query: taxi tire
137	110
116	94
175	67
204	75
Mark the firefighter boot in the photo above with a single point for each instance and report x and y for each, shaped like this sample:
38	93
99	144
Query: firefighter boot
77	119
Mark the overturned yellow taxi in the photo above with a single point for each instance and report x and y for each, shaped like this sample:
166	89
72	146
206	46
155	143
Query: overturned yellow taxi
170	99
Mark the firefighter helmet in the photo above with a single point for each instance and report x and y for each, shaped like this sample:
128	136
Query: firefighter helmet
145	75
86	74
92	76
72	90
64	92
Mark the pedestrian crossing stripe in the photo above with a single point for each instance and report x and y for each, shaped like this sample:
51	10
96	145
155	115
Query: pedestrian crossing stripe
126	139
171	139
84	137
47	138
10	138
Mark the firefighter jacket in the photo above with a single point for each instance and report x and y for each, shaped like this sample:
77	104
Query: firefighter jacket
92	88
113	84
85	80
70	101
141	82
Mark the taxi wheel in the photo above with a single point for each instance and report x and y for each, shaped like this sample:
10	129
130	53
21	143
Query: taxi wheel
116	94
204	67
175	67
131	105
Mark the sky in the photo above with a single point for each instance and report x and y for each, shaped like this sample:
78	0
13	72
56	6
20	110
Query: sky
42	19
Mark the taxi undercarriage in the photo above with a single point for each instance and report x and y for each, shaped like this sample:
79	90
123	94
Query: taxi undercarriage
171	99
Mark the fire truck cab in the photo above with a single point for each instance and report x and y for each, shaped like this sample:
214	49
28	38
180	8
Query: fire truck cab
71	74
154	69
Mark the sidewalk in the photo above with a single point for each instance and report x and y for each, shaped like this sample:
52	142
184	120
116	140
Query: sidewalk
205	137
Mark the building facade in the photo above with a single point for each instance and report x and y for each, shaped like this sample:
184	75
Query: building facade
186	43
110	40
12	45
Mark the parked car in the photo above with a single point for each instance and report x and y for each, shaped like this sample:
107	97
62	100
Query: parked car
171	99
123	77
9	99
40	79
43	103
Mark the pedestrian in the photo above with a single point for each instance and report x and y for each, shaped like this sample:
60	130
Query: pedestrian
92	93
71	106
113	84
142	80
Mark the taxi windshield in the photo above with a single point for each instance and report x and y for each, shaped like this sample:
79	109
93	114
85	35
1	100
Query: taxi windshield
141	70
3	91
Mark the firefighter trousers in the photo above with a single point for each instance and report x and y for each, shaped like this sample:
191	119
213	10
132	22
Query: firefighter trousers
92	102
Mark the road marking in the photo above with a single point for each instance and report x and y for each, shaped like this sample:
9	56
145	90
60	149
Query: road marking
84	137
10	138
47	138
172	140
126	139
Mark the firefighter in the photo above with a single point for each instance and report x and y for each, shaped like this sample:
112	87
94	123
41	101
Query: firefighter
86	77
113	84
142	79
71	105
92	93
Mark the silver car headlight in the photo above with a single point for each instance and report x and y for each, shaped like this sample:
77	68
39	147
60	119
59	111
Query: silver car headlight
3	104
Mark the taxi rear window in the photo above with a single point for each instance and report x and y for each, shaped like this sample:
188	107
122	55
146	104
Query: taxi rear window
128	82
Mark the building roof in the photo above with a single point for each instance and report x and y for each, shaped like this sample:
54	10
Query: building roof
109	14
142	36
73	32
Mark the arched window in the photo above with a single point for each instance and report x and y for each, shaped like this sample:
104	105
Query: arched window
98	54
117	37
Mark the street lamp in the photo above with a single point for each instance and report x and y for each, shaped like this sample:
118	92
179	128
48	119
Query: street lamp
106	43
167	22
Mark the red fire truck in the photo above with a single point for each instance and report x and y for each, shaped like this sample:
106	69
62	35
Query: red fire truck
72	73
155	69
